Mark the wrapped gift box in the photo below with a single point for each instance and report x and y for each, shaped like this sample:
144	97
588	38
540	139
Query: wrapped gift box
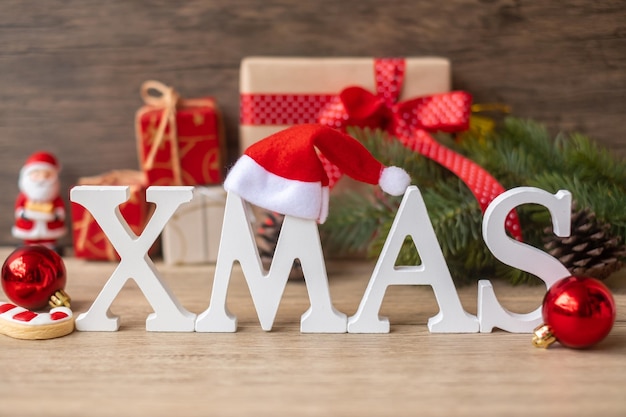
89	240
192	235
279	92
180	141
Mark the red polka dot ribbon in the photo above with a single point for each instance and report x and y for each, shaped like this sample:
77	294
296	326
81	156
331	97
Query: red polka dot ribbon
411	121
282	109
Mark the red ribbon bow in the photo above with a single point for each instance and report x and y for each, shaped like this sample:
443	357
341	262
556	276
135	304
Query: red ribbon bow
355	106
412	121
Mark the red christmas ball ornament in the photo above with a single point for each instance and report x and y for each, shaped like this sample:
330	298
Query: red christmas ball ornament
33	277
577	311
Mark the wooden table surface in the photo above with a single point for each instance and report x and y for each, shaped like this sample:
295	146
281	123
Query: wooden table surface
407	372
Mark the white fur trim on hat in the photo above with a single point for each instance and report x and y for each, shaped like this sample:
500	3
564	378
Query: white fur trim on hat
394	180
262	188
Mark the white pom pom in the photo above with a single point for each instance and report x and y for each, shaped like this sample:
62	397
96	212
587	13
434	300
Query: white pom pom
394	180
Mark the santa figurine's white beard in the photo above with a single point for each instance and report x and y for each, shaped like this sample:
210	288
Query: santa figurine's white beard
43	190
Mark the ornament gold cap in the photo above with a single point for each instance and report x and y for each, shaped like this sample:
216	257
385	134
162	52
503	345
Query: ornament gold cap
543	336
59	299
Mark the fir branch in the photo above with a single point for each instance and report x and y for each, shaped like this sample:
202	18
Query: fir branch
518	153
514	151
454	214
352	224
606	199
589	162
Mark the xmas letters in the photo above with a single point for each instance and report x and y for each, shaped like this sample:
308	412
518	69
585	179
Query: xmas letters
299	238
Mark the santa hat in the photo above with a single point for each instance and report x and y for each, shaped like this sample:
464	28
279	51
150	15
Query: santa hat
41	160
283	172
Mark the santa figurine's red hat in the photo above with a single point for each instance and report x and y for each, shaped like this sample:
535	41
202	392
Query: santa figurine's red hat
283	172
41	160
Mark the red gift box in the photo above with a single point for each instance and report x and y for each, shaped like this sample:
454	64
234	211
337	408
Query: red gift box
89	240
180	141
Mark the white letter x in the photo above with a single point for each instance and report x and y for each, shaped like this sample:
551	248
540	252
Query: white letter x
102	202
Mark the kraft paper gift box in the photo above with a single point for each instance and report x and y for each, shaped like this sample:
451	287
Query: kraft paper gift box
89	240
180	141
192	235
277	92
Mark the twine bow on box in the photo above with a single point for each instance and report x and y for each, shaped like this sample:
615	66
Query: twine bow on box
167	99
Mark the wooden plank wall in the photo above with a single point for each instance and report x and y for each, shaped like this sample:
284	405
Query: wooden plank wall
70	70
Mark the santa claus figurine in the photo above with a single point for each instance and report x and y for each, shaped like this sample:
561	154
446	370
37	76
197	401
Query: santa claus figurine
39	210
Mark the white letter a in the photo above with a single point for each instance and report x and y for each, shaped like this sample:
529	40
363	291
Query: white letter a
412	220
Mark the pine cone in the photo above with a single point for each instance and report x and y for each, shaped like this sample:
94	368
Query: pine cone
267	238
590	250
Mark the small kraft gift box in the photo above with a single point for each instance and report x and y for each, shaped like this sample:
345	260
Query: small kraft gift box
89	240
276	93
180	141
192	235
